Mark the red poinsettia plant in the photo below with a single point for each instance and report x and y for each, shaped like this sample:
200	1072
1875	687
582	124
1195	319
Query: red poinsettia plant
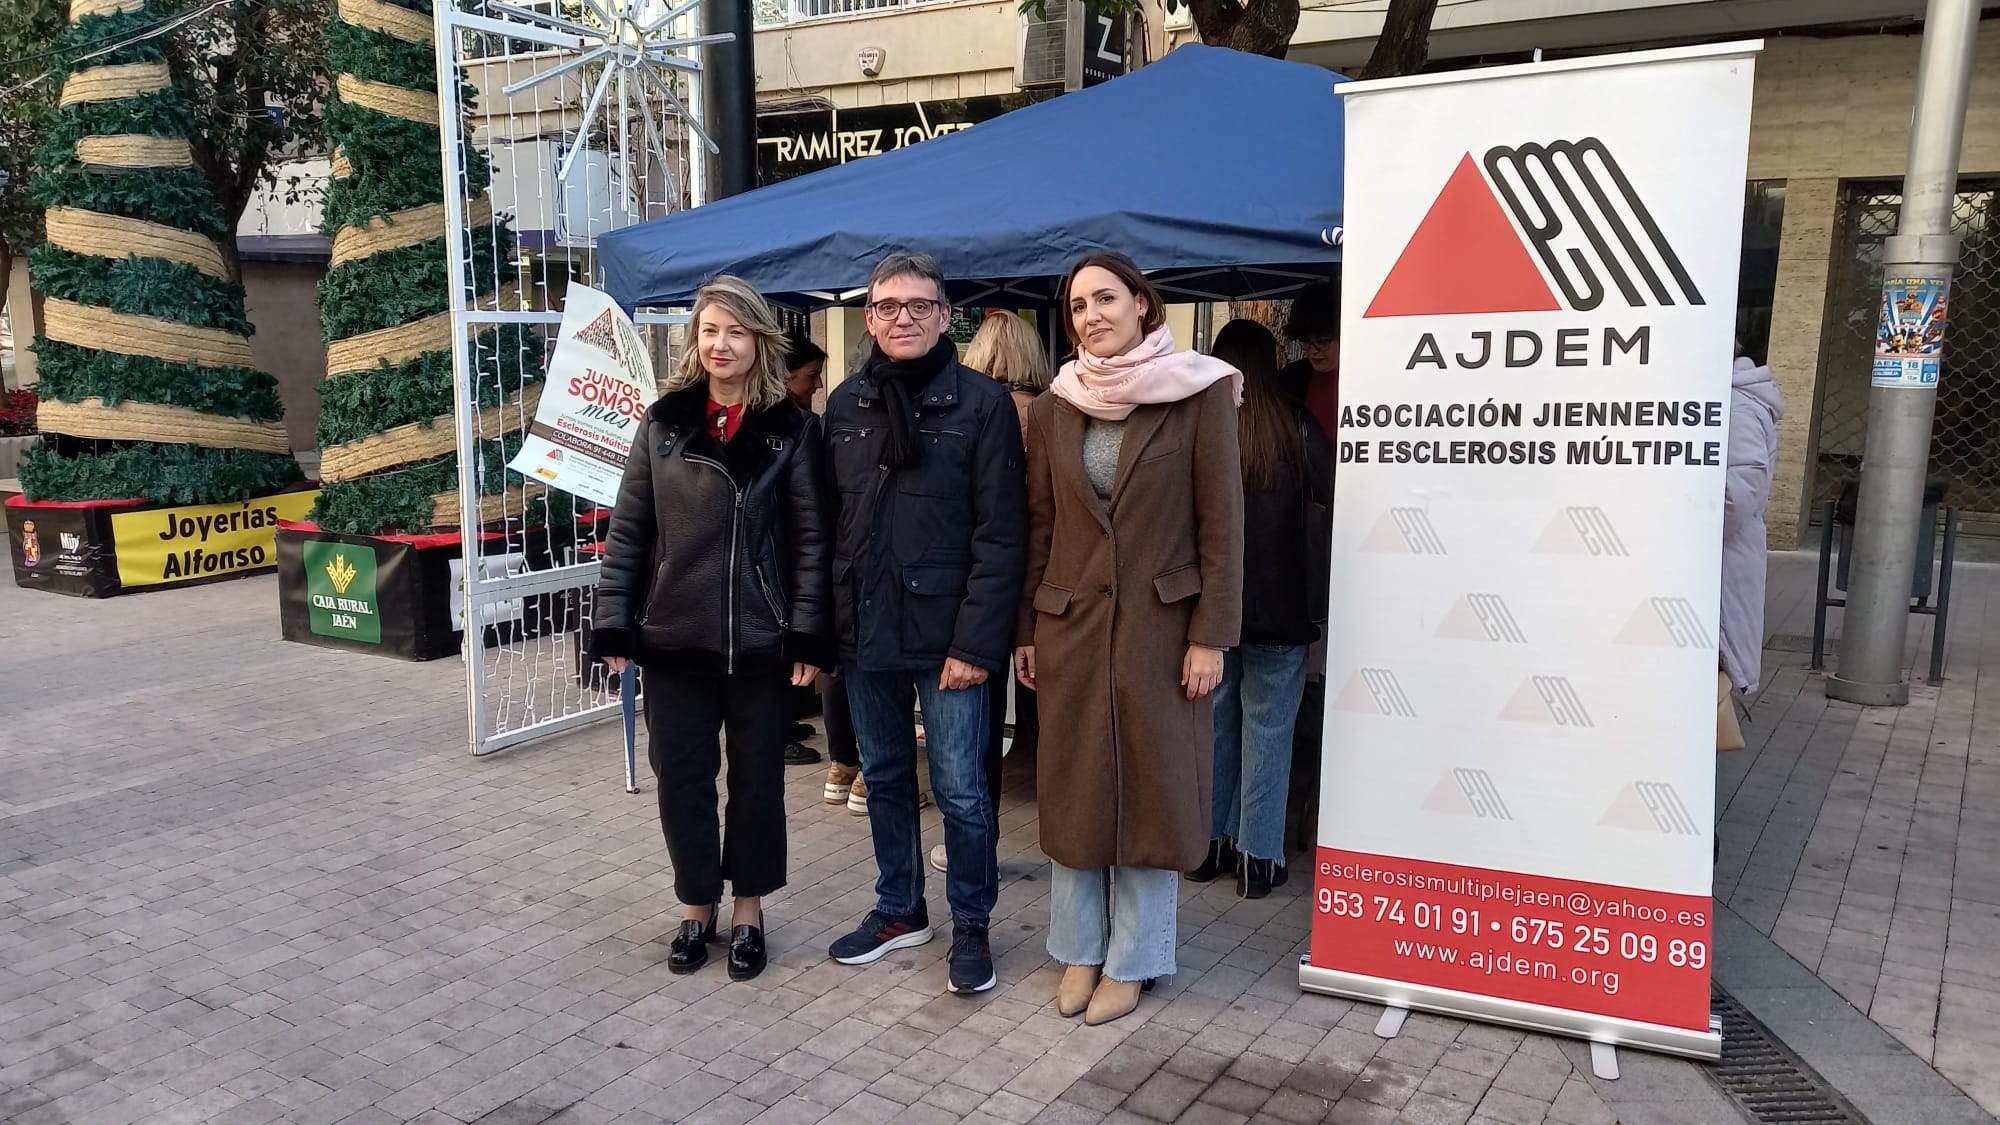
17	413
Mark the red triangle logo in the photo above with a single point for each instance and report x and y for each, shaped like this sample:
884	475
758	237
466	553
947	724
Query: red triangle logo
1464	258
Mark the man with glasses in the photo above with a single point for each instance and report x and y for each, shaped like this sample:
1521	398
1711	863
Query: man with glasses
930	503
1314	382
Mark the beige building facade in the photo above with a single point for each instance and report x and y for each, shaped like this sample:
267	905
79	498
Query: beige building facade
1829	127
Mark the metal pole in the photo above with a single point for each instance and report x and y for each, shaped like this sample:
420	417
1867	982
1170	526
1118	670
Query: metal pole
1917	271
452	143
729	98
697	101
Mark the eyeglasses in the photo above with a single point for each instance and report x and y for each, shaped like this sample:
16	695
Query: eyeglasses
892	310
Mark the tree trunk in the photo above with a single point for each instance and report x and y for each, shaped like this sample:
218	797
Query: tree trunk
232	257
1257	27
1405	43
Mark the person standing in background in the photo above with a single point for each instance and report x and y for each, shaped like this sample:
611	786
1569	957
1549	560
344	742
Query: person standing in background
805	364
805	374
805	369
1287	468
1754	409
1314	382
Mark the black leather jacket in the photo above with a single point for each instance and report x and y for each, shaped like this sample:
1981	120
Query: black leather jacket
719	548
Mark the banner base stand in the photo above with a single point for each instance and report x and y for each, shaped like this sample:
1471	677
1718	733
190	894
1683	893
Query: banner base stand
1704	1045
1391	1023
1604	1061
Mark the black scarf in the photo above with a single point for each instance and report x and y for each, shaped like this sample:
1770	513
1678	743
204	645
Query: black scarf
899	380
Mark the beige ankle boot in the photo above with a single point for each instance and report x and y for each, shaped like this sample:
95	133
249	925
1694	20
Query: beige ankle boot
1112	999
1073	994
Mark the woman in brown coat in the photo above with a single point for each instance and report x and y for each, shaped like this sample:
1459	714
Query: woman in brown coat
1134	589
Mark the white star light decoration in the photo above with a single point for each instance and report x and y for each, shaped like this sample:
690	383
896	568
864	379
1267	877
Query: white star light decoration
633	47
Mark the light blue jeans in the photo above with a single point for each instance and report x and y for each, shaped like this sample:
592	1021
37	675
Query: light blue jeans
1255	707
1123	918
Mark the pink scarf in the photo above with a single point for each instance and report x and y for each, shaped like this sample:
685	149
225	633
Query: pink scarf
1110	388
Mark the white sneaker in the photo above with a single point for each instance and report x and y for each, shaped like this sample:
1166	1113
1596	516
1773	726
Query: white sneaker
937	857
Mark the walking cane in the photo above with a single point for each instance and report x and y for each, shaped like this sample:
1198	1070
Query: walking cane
626	696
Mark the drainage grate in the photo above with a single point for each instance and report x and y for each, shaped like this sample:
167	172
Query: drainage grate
1766	1079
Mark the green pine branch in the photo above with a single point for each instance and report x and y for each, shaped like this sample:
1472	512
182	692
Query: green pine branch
70	373
174	197
141	287
164	474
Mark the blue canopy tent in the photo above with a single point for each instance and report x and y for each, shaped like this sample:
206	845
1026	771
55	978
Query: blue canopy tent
1218	172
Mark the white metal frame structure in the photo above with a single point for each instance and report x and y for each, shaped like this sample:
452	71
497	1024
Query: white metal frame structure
610	85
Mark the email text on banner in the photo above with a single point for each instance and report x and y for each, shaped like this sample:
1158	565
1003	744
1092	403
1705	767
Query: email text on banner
1555	942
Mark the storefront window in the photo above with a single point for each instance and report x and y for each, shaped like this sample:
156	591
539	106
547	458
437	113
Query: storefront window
1757	278
1965	435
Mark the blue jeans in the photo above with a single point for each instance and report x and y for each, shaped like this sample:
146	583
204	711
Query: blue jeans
955	735
1123	918
1255	707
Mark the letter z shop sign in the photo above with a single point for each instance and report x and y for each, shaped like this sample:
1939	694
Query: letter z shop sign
1518	759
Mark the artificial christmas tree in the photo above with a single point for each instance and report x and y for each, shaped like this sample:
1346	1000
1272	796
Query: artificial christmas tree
387	438
148	388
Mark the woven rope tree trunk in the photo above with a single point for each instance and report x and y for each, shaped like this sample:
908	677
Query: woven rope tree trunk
144	356
388	459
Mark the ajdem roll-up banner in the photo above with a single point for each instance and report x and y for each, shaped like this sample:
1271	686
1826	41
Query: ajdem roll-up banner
1538	306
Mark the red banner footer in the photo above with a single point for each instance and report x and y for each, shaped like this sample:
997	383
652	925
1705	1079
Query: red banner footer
1561	943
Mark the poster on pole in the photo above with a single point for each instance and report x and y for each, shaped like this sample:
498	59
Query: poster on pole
1538	305
1909	337
600	382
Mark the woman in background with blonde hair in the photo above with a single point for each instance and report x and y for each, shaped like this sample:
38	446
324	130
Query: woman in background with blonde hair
717	580
1007	350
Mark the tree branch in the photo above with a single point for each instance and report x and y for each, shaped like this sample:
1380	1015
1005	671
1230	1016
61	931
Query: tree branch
1258	27
1404	45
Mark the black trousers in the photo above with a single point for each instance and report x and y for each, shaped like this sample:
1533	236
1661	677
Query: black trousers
840	744
687	704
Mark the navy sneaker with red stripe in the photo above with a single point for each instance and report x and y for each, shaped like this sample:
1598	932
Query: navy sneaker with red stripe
881	934
971	959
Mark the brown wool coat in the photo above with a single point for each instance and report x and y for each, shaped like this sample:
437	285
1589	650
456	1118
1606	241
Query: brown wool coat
1111	604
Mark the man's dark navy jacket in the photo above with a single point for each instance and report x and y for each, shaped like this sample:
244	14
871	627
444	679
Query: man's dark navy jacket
928	559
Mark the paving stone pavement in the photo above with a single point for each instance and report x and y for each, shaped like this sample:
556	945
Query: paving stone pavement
1866	841
245	881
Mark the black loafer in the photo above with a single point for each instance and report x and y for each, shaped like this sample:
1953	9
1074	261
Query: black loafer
746	950
689	950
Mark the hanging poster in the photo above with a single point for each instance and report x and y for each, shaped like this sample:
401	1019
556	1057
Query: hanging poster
1539	293
600	382
1909	337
